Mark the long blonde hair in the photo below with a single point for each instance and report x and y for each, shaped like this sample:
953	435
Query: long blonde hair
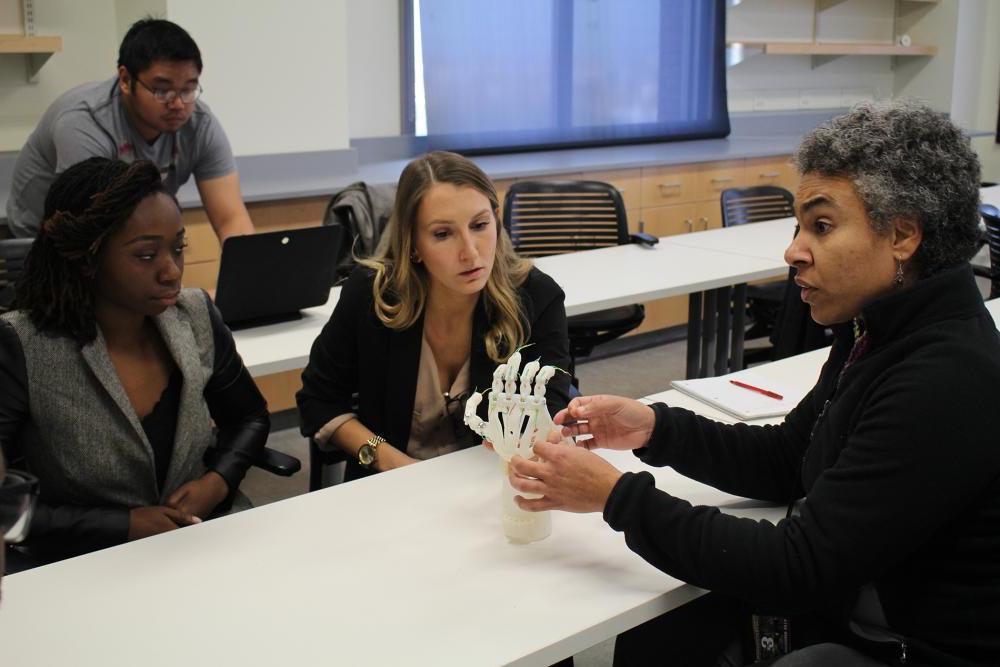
401	285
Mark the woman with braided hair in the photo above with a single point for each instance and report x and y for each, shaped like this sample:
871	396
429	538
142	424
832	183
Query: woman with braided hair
113	374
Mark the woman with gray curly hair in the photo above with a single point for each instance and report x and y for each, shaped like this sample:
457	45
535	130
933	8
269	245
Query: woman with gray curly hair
891	550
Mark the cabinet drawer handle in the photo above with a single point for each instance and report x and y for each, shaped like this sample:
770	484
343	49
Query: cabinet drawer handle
722	179
690	225
770	174
704	222
668	186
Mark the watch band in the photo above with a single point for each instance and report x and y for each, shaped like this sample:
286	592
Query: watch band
368	454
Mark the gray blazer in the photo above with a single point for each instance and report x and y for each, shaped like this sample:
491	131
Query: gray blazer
67	414
75	390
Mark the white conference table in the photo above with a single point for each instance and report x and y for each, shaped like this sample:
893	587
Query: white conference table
406	567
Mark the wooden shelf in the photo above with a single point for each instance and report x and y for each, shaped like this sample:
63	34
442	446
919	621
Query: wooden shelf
27	45
36	51
837	49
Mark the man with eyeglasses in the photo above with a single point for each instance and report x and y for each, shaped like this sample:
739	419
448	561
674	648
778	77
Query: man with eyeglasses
149	111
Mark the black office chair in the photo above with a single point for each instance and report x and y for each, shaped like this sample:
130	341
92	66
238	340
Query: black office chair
12	254
555	217
991	216
741	206
319	460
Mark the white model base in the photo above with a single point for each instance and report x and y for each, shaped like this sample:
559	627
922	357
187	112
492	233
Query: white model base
516	421
519	526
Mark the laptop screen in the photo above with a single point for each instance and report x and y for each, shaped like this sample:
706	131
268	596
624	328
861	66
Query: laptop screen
271	276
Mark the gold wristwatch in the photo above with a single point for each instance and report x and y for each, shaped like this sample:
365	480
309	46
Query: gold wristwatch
368	454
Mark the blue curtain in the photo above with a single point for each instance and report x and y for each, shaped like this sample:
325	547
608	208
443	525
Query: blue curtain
531	74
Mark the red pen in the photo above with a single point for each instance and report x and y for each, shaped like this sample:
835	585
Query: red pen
771	394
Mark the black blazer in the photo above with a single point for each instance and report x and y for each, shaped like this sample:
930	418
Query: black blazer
356	353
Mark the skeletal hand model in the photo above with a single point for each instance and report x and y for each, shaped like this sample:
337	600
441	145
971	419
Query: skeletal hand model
516	421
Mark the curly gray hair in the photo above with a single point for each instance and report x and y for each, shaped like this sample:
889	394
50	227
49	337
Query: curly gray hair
905	160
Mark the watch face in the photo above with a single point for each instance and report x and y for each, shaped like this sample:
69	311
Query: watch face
366	455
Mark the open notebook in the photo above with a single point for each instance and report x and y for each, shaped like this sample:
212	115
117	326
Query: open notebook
740	402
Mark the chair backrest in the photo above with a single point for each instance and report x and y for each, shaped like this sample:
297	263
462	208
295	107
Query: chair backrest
12	254
765	202
991	216
554	217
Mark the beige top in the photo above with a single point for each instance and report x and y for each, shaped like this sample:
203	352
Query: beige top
436	426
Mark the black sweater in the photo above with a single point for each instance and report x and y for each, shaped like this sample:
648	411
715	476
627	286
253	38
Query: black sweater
900	475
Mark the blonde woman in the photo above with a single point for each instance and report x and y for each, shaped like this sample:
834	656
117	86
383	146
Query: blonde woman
427	320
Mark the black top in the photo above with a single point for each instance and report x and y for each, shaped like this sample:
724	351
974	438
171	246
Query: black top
160	425
900	474
357	354
235	404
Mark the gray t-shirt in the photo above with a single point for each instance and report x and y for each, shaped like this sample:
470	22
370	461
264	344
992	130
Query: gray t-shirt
90	121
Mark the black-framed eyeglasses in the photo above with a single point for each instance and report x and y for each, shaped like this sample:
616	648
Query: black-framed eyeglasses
168	95
18	492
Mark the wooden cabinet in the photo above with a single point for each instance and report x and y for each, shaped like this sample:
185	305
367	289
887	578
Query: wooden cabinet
714	177
501	187
202	243
628	182
772	171
662	186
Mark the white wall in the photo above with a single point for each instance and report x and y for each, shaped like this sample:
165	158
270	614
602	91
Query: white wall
90	51
373	62
128	12
929	79
275	72
977	78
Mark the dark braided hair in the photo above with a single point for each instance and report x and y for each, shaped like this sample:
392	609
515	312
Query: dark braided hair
86	203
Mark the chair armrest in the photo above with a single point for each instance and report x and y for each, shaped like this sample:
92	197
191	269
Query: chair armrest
982	271
277	463
643	239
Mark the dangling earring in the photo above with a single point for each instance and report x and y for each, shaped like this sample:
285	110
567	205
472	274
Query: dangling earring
899	271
